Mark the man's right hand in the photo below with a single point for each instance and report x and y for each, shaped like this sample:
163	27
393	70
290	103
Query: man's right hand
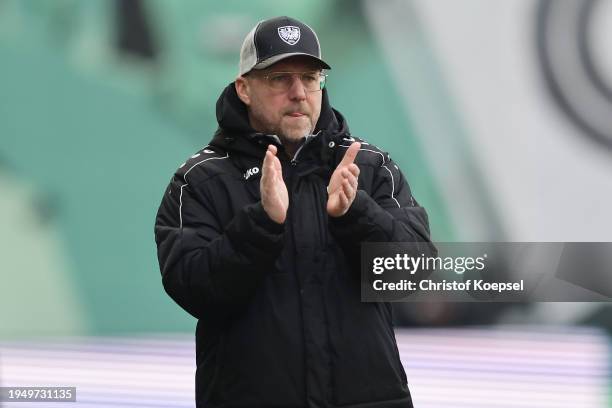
274	195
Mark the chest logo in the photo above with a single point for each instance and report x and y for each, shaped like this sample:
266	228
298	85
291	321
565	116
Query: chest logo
251	172
289	34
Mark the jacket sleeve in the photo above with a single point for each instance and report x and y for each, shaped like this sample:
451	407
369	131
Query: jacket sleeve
209	269
389	213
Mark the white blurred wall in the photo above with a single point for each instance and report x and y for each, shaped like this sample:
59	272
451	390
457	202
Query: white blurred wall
548	180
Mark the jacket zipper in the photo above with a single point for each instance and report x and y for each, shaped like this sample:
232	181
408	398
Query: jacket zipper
308	139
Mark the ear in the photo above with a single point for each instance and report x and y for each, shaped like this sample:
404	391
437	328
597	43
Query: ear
242	89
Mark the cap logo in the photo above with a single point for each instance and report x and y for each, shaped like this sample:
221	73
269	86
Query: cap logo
289	34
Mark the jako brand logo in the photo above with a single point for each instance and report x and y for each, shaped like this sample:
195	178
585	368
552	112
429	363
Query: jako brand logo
251	172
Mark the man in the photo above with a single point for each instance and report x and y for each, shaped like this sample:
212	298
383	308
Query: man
259	238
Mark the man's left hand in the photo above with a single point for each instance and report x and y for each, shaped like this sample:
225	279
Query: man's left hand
342	187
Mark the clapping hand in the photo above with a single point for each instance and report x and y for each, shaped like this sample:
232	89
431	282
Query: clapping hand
342	187
274	196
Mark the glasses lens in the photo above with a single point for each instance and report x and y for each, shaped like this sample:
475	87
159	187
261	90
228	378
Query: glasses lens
311	81
282	81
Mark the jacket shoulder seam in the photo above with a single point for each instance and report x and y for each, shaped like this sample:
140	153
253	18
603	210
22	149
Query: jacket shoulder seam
186	180
198	160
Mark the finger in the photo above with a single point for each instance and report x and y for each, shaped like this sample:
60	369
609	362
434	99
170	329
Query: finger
353	182
268	170
347	188
277	165
354	169
350	154
271	153
264	170
344	200
268	159
347	175
268	166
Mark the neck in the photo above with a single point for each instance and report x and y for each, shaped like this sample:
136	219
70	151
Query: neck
291	147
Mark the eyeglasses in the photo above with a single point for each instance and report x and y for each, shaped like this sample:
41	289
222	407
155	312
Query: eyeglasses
282	81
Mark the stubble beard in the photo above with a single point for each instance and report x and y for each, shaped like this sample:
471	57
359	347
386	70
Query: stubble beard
288	133
294	134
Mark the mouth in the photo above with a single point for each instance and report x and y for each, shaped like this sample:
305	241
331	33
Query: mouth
296	114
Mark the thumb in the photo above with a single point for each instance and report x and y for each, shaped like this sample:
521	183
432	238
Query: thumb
350	154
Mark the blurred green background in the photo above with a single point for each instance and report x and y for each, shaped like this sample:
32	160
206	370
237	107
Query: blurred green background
100	101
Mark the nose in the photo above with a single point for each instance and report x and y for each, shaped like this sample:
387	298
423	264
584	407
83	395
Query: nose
297	90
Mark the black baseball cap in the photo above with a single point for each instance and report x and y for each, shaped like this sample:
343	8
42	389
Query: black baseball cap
275	39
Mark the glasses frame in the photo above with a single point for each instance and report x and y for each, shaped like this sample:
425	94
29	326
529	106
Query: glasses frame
322	81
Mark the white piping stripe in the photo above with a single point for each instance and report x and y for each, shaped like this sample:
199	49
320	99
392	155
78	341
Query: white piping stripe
181	207
367	150
187	183
393	187
382	165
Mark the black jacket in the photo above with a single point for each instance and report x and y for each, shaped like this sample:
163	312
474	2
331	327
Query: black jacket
280	322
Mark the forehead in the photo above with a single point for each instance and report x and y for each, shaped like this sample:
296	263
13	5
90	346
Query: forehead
297	63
